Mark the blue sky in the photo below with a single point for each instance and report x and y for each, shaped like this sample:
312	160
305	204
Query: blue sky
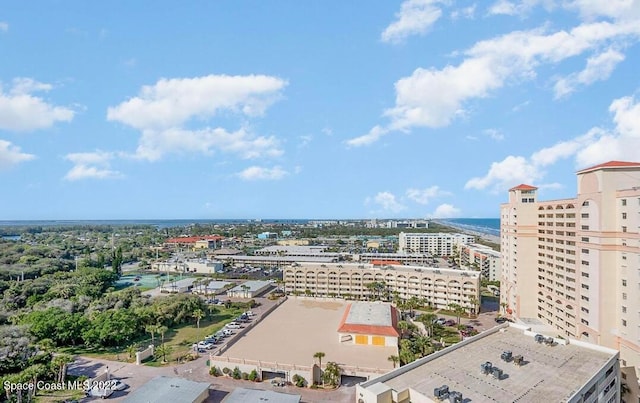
314	109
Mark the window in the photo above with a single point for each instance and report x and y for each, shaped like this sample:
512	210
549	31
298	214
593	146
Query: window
624	283
585	239
624	309
585	203
624	216
624	296
624	229
624	322
624	202
585	215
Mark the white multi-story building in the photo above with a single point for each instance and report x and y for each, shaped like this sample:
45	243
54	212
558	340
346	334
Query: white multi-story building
437	243
574	264
439	287
482	258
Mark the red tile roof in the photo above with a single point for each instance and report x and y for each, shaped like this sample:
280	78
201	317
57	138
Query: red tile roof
385	262
522	186
194	239
612	164
370	329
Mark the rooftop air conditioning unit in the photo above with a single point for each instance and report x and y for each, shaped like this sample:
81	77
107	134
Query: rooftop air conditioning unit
441	393
506	356
486	368
455	397
539	338
518	360
497	373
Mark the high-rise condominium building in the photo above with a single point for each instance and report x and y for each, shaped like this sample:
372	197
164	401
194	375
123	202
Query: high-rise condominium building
437	243
574	264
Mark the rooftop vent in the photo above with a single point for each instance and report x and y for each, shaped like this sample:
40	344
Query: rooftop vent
549	341
486	368
539	338
497	373
518	360
506	356
441	393
455	397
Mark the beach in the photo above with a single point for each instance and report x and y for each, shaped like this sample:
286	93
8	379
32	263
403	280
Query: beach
486	237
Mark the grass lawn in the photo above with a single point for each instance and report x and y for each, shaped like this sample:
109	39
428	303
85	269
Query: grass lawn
179	339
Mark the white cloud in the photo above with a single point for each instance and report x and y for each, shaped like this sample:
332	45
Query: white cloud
162	111
20	110
505	173
494	134
4	27
503	7
466	12
366	139
598	68
422	196
445	211
617	9
434	98
11	155
594	147
387	202
173	102
304	141
414	18
261	173
154	145
93	165
519	8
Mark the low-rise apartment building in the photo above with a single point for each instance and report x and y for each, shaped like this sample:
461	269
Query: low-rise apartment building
438	287
437	243
482	258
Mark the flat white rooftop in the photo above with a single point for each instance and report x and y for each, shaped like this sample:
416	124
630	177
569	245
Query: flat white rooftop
368	313
549	374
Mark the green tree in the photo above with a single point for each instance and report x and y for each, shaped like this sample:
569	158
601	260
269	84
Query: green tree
116	261
132	349
59	365
394	359
163	351
198	314
319	355
331	374
457	310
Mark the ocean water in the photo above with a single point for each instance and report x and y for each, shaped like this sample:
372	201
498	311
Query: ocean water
489	226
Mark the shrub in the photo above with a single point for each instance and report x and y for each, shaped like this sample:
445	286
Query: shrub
215	371
226	371
245	376
253	376
299	381
236	374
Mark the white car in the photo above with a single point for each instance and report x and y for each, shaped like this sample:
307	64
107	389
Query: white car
98	392
227	332
233	325
118	385
250	313
205	345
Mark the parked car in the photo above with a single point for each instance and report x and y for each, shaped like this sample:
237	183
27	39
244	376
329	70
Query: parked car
233	325
227	332
98	392
501	319
250	313
450	322
118	385
440	321
205	345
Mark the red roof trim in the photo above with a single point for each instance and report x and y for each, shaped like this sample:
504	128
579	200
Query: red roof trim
385	262
370	329
522	186
612	164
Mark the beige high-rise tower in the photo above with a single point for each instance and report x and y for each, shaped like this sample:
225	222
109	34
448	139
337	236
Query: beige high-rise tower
574	264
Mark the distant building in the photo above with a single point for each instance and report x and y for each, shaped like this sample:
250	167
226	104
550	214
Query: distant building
437	243
191	242
210	287
268	235
487	368
370	323
438	287
250	289
483	258
166	389
574	264
419	259
292	242
179	286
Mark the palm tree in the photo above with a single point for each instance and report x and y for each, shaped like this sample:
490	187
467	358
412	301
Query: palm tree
319	355
404	327
153	329
245	290
457	309
198	314
162	351
394	359
162	330
428	320
132	350
474	304
423	344
60	362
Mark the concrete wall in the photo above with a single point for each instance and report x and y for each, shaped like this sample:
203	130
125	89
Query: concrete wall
144	354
